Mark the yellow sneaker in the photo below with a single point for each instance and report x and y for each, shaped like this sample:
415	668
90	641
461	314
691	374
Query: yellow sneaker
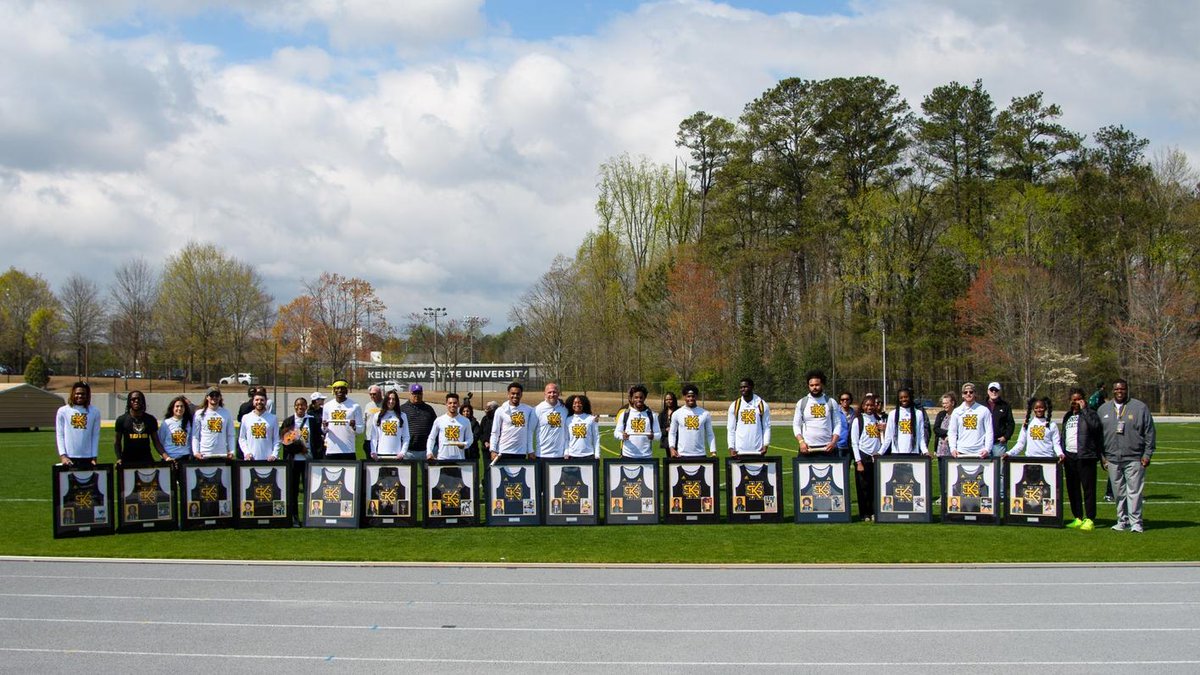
1074	524
1087	525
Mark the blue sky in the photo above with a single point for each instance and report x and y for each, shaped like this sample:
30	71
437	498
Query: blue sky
447	151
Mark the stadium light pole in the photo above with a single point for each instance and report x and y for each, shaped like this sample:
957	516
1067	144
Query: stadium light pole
434	313
883	331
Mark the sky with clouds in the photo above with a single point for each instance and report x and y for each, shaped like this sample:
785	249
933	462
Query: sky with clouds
447	150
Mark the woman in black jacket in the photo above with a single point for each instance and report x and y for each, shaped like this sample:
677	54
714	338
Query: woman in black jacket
670	405
1083	442
468	411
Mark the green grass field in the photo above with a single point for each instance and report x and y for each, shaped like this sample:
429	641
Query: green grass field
1172	521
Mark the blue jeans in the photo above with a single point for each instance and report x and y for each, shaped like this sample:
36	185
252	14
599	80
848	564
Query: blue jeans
998	449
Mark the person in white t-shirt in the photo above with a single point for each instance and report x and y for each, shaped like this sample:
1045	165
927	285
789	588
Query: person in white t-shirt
551	417
375	392
77	429
905	427
637	426
583	429
451	434
748	427
970	432
342	421
258	435
691	432
512	427
212	428
816	423
390	430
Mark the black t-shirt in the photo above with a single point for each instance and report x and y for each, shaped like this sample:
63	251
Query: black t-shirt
421	417
137	444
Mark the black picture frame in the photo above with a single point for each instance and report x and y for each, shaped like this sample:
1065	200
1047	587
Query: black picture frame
513	493
743	504
972	490
821	489
83	501
571	495
391	494
207	492
147	497
623	476
451	490
326	502
684	483
1020	482
266	494
902	492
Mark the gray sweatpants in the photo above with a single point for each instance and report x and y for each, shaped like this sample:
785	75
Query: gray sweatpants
1127	478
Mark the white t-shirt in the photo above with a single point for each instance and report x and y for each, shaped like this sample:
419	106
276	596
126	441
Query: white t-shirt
391	434
815	421
551	429
584	436
448	438
642	427
691	432
258	436
212	433
748	428
340	434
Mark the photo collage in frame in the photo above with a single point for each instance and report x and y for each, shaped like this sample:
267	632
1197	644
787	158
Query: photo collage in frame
821	490
390	493
902	485
332	490
266	494
512	493
971	486
450	492
147	494
83	501
571	491
1034	492
691	490
208	494
630	491
755	493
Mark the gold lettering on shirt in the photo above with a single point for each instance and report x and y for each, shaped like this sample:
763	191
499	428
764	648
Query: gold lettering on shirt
904	493
332	493
749	416
337	416
83	500
451	499
179	437
147	495
1033	494
970	422
906	426
970	488
79	420
1037	433
817	410
452	433
578	431
633	491
570	495
262	493
390	427
691	489
514	492
755	489
638	425
215	423
554	419
389	495
518	419
691	423
208	493
821	489
258	430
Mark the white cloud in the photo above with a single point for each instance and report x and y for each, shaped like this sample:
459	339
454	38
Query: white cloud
454	180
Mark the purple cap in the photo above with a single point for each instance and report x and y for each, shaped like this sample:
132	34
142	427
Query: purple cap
415	389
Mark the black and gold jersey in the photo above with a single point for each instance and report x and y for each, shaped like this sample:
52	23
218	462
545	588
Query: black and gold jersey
389	492
902	487
691	488
823	489
970	487
209	491
450	492
755	486
512	490
149	500
332	491
263	491
1032	489
571	489
85	500
631	489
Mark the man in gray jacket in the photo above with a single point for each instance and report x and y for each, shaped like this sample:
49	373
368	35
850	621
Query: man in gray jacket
1128	446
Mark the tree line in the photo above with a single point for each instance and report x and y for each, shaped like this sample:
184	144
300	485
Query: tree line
984	243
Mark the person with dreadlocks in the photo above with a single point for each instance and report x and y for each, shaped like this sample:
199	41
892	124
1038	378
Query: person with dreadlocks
906	427
77	428
1083	443
1039	434
136	433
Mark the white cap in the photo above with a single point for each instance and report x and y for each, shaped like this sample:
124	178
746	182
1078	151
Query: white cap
994	385
317	395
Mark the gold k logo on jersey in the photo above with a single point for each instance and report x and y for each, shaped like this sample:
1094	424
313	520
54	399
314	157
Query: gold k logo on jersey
1033	494
638	424
452	433
262	493
451	499
258	430
578	431
332	493
208	493
970	422
970	488
389	495
337	415
179	437
518	419
83	500
390	427
906	426
817	410
78	420
554	420
755	489
748	416
216	424
633	491
514	492
691	489
1037	433
691	423
147	495
904	493
570	495
821	489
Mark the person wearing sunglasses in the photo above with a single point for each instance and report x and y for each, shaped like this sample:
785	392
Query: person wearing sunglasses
970	432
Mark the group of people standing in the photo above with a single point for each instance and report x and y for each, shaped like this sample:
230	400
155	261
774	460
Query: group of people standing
1119	434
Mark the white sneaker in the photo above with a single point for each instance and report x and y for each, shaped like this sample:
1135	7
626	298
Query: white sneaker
1136	528
1121	526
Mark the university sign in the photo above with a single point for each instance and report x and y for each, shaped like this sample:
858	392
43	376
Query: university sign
464	373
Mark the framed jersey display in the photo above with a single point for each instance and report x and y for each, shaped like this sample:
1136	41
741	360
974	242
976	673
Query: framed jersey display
512	493
331	491
690	490
83	501
972	489
207	494
390	494
265	496
902	485
570	495
821	489
755	493
450	492
147	494
630	493
1034	492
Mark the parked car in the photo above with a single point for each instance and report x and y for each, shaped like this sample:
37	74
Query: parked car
239	378
389	385
5	370
175	374
109	372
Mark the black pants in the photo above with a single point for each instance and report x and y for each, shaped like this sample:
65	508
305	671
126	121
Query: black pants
864	483
1081	486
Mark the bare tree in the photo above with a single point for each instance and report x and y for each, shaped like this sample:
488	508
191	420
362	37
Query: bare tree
346	313
134	291
1162	329
545	312
84	312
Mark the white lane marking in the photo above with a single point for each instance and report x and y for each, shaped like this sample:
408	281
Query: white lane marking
600	584
557	629
1161	482
477	603
333	658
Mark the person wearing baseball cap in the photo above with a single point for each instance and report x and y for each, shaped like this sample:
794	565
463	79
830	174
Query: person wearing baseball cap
1002	420
213	428
421	417
341	421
